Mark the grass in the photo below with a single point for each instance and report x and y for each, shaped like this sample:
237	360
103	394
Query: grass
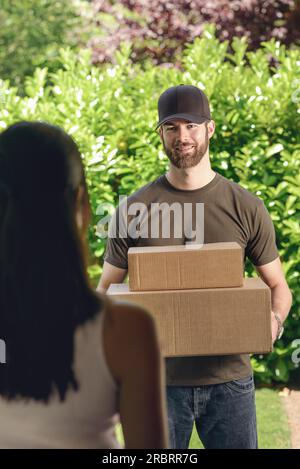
272	423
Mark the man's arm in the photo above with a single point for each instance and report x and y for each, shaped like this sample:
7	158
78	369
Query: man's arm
272	274
110	274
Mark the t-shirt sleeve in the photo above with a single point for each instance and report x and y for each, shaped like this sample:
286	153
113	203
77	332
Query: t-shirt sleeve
118	242
261	248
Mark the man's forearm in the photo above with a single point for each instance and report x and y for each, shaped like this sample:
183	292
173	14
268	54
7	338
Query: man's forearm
110	274
281	300
101	289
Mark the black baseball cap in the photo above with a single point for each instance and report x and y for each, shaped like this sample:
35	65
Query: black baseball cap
183	102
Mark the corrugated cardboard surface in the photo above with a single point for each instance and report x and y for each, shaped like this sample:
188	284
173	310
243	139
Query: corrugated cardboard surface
208	321
214	265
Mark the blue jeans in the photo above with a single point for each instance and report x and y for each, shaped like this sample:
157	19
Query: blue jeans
224	415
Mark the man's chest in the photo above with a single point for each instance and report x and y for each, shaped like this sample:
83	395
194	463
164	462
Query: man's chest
176	223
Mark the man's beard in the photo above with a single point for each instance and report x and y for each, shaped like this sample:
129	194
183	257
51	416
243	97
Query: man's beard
190	159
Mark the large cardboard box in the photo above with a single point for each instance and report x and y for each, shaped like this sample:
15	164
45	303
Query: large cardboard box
213	265
208	321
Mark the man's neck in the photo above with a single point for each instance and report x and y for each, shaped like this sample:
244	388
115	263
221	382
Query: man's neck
191	178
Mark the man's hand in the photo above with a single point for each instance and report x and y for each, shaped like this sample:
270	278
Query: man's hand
274	327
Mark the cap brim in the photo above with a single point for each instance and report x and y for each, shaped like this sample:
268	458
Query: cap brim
188	117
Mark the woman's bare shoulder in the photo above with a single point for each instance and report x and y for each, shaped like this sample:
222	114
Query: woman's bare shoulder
123	316
130	336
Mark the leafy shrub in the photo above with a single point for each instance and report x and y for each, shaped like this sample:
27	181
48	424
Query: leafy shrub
111	112
32	31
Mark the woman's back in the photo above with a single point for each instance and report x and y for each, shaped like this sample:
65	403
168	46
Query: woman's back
85	419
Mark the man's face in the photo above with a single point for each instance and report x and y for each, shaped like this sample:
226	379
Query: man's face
185	143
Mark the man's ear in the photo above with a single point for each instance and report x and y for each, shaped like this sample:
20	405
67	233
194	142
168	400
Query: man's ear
211	127
160	132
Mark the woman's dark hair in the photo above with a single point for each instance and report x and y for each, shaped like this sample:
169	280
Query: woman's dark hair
44	290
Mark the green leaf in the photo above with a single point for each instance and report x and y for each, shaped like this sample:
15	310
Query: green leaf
277	148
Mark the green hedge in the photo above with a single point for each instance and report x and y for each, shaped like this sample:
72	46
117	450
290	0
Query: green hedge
32	31
111	113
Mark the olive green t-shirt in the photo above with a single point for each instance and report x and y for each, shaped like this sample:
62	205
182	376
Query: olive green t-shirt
231	213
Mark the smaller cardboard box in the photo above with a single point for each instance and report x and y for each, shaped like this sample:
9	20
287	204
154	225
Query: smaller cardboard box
222	321
213	265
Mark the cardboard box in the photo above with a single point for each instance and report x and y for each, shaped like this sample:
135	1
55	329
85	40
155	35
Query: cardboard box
214	265
208	321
